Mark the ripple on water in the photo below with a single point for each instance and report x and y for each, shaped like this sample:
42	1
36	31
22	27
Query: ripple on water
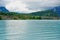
29	30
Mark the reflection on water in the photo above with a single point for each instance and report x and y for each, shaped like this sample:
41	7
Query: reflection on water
16	30
30	30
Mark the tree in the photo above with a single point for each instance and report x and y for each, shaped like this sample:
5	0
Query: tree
0	18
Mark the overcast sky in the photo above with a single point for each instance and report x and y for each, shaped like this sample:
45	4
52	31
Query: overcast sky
29	5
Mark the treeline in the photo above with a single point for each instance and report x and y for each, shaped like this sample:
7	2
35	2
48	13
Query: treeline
16	16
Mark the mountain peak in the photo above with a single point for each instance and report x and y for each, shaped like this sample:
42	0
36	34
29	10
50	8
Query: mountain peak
3	9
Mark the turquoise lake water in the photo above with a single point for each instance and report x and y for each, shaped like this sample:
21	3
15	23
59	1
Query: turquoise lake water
29	29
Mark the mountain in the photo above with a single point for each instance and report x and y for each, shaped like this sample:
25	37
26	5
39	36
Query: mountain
50	12
56	10
3	9
47	14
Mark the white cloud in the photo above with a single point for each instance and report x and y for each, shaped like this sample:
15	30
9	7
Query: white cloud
28	5
17	6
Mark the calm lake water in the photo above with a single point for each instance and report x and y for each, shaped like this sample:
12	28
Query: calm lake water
30	30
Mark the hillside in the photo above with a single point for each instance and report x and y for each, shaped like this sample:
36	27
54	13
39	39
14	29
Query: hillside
45	13
48	14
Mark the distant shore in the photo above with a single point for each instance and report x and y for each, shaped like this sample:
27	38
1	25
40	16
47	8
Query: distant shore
49	15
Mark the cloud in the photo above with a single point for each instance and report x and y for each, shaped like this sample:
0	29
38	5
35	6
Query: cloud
1	4
27	6
16	6
42	4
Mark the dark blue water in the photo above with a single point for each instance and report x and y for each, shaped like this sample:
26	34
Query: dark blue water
30	30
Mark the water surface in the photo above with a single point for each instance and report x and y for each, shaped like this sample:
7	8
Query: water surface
30	30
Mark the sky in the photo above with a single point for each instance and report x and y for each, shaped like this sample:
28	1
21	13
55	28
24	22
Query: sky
27	6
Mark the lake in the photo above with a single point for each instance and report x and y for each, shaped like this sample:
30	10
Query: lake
29	29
